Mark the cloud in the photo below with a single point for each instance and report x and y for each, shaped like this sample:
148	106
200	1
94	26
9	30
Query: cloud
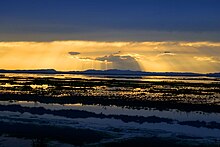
9	44
117	53
200	44
166	53
189	21
74	53
116	60
84	58
208	59
123	62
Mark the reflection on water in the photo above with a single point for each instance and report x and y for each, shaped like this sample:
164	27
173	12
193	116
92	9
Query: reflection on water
184	89
101	110
118	77
115	110
103	117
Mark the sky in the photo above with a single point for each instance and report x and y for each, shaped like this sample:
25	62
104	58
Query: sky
148	35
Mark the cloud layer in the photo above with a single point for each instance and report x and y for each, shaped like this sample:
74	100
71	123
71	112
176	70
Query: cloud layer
110	20
83	55
124	62
74	53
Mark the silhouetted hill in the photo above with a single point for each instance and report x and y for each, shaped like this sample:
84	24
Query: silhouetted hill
38	71
140	73
111	72
213	75
114	72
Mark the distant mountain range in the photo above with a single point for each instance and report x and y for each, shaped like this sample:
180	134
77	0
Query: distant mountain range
111	72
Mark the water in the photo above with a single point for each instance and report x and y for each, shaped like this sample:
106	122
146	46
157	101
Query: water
118	77
120	121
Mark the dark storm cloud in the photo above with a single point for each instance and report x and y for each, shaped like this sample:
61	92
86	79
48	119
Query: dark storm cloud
123	62
74	53
133	20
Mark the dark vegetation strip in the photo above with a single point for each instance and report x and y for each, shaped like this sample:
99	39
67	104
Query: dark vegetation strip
121	102
100	82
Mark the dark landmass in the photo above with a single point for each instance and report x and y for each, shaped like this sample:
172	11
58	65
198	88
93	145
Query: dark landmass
111	72
39	71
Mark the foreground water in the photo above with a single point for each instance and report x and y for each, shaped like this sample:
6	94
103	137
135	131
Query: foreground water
49	122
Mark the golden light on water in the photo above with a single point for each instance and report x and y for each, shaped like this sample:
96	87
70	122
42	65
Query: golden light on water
83	55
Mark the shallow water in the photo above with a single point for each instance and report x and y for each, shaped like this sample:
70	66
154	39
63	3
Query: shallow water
118	77
120	122
104	124
115	110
